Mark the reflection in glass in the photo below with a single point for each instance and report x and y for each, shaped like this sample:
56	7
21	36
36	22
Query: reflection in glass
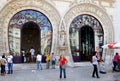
16	23
76	36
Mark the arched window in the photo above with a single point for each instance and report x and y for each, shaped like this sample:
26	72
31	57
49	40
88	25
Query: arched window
29	20
86	34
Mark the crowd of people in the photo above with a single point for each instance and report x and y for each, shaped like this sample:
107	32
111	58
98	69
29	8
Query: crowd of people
51	60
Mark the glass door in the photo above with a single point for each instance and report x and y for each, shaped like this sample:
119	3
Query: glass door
86	40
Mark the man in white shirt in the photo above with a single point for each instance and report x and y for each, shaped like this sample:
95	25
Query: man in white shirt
10	63
39	59
32	52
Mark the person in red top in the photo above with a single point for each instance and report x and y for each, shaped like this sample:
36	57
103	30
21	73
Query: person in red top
115	61
62	63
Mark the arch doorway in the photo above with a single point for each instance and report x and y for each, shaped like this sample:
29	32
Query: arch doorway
29	28
86	42
30	37
86	34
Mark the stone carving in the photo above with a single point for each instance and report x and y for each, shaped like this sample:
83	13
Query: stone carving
15	6
90	9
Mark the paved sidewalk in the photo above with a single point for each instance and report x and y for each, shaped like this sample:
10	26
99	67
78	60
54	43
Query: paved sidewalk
28	72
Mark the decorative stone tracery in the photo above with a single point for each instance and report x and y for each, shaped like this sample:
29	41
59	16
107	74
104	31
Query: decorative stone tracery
95	11
79	7
15	6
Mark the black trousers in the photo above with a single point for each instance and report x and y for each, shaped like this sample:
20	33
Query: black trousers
2	68
115	64
95	71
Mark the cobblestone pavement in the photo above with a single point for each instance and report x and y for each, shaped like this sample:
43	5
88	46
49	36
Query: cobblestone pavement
28	72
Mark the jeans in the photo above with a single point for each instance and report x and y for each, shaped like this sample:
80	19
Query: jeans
39	65
10	68
95	70
2	68
115	64
62	70
48	65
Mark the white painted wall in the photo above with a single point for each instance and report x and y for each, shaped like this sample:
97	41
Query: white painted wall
116	22
62	7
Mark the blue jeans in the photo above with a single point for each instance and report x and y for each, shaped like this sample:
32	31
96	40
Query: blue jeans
95	70
10	68
39	65
64	71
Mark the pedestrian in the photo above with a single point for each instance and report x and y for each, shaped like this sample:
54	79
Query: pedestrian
47	61
3	63
32	52
39	59
115	61
10	63
62	63
53	60
28	56
23	56
95	65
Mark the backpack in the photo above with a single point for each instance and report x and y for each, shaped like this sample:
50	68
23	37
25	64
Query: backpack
0	63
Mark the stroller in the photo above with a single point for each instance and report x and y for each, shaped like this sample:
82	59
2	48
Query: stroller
102	68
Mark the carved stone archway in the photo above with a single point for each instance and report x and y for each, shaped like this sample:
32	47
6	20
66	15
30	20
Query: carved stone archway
15	6
97	12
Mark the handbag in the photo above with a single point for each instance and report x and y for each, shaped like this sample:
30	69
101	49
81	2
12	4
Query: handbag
64	66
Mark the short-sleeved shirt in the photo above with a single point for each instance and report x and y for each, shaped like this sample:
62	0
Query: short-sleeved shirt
39	57
53	58
47	58
95	62
62	61
32	51
3	61
10	59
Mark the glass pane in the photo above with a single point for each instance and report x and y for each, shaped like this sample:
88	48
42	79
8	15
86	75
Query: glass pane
17	22
75	38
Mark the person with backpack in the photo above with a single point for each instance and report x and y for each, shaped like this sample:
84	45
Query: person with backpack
3	63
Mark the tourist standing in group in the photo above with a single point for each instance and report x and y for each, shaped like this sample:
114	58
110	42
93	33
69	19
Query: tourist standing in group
3	63
28	56
47	61
23	56
10	63
95	65
53	60
62	63
32	52
115	61
39	59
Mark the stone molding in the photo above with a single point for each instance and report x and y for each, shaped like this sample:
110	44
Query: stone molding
50	11
15	6
95	11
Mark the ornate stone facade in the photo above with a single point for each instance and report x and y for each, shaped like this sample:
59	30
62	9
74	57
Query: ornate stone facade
76	7
15	6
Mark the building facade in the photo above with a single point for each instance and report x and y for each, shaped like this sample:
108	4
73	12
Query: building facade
74	28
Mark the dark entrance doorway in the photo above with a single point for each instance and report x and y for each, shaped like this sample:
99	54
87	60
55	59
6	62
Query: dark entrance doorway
86	42
30	37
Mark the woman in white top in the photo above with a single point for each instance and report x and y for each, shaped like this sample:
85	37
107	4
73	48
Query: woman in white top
95	65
